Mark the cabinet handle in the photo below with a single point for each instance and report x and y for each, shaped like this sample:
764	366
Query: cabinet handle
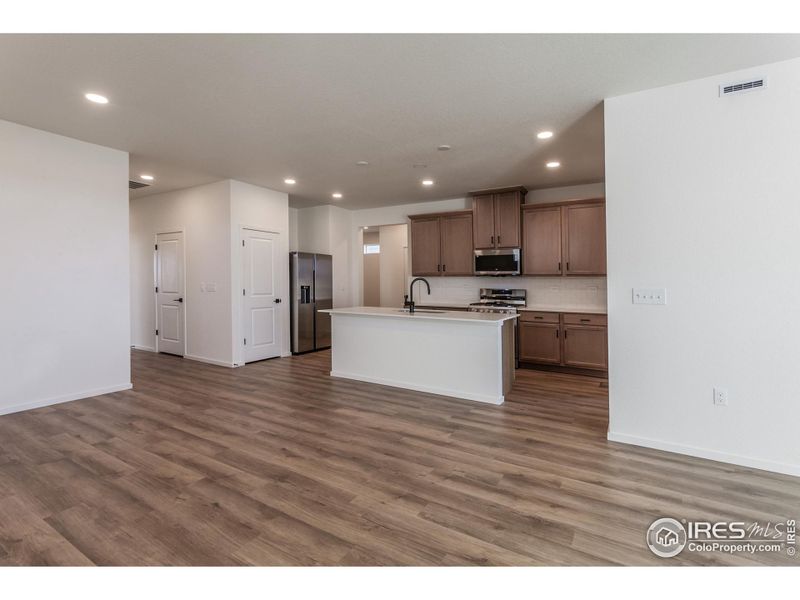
567	265
538	317
492	242
444	268
559	266
438	268
565	334
585	320
498	239
556	332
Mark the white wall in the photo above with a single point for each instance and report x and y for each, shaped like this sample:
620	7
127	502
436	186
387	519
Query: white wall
562	194
203	213
293	232
64	260
327	230
211	217
702	200
259	208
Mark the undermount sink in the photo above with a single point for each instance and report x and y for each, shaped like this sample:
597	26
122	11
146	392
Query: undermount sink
417	310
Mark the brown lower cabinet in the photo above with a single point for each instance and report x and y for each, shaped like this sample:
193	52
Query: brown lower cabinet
565	339
540	343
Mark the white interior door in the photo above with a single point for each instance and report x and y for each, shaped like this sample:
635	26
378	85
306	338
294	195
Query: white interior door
170	282
260	304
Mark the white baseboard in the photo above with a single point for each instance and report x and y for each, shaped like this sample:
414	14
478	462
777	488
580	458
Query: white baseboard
6	410
734	459
422	388
145	348
210	361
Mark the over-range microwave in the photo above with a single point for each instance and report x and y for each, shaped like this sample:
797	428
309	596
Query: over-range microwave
497	262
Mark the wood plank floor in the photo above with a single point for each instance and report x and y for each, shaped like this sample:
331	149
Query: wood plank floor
276	463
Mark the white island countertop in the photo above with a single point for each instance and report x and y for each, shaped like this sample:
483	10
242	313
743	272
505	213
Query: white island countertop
422	314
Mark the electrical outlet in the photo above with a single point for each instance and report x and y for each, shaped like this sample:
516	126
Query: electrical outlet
649	296
720	396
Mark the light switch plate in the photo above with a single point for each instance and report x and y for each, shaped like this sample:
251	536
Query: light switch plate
649	296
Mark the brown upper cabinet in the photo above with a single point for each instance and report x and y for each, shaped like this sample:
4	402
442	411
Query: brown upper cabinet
564	239
496	217
441	244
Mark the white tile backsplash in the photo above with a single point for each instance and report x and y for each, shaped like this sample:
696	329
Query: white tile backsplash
562	292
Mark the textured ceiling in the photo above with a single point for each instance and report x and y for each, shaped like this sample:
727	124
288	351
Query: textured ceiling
192	109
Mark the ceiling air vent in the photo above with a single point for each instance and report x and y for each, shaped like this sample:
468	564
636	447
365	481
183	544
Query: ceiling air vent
727	89
135	185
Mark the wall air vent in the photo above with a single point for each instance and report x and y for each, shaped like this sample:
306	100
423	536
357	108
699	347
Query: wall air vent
726	89
135	185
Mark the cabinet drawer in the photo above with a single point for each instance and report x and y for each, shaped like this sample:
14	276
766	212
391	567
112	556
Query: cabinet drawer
529	316
585	319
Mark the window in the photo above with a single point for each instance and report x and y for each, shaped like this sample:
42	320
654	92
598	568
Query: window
372	248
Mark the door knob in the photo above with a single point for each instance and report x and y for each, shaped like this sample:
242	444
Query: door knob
277	301
178	300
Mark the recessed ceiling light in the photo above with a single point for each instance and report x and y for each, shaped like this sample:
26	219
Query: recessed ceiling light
544	135
147	177
362	163
290	181
553	164
96	98
336	195
427	182
366	226
443	147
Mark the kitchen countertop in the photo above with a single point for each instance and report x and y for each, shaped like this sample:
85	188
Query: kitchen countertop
589	310
443	304
397	313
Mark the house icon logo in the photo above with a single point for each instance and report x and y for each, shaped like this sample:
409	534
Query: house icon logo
666	537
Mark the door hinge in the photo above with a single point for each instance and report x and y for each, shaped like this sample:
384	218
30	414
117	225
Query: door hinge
245	341
242	242
156	246
156	289
156	331
243	294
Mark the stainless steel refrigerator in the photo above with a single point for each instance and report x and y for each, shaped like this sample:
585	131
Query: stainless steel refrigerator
311	290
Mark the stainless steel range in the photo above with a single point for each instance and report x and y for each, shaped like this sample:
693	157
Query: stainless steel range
502	300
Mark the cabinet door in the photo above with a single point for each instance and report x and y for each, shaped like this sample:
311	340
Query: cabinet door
540	343
506	220
425	247
456	250
585	347
585	239
483	221
541	244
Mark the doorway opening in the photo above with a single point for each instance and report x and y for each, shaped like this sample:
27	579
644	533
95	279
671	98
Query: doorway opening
385	265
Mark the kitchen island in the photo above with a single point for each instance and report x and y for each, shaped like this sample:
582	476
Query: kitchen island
466	355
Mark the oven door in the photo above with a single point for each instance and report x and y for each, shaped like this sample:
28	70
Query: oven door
497	262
